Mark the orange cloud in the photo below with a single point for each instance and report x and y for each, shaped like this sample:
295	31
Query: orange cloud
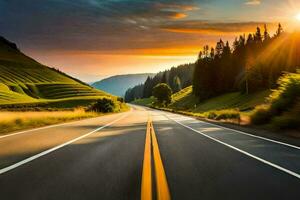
207	28
178	16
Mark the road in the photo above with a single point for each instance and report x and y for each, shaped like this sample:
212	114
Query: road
146	154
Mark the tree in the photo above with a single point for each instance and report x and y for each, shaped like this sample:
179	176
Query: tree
219	48
177	84
163	93
205	51
266	34
164	78
257	36
279	30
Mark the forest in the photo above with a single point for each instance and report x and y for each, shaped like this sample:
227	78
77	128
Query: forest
252	63
176	77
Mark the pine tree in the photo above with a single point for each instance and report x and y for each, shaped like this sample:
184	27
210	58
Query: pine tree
257	36
266	34
279	30
219	48
164	78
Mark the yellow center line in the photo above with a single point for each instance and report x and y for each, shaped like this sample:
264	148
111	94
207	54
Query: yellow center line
146	192
162	188
163	192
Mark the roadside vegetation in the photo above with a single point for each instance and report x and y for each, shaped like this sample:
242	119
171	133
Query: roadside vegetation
33	95
253	81
16	120
283	108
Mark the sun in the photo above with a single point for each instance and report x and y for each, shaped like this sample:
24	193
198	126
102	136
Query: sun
298	16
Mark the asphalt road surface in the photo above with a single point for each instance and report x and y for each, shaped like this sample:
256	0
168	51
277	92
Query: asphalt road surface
146	154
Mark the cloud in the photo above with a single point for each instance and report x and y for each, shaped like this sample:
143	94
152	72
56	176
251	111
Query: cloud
209	27
253	2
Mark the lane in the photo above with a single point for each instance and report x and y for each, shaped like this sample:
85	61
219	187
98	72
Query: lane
104	165
200	168
281	154
108	164
15	148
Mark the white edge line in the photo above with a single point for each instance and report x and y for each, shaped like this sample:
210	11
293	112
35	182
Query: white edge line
244	133
46	127
20	163
243	152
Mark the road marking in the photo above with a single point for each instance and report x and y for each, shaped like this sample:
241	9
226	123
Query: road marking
241	151
255	136
146	191
162	188
27	160
241	132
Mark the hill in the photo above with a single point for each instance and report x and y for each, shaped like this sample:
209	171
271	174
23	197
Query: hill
117	85
187	102
24	80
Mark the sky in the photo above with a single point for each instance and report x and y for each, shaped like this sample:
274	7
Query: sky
94	39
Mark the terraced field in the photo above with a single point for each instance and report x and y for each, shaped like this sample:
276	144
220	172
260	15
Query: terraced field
25	81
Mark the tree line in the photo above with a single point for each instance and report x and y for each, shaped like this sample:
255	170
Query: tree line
253	62
177	78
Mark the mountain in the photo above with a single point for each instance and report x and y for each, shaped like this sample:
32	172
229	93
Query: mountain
117	85
24	80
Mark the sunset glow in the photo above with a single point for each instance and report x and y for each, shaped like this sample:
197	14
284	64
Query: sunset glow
298	16
164	32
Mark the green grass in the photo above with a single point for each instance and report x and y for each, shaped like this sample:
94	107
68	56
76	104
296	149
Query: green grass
14	121
144	102
25	82
224	107
185	100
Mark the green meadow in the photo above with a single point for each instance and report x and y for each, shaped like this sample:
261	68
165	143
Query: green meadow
26	83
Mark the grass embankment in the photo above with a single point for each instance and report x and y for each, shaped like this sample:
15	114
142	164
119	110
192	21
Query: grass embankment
283	108
232	106
13	121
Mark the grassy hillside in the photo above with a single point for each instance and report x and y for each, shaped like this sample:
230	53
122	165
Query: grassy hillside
227	106
117	85
185	100
25	81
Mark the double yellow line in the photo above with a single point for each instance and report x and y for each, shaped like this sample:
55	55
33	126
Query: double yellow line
152	150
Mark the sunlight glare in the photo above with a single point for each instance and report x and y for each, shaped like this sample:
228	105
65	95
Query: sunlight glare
298	16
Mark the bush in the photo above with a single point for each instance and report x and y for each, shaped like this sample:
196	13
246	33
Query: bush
120	99
287	93
223	115
284	109
261	115
288	120
103	105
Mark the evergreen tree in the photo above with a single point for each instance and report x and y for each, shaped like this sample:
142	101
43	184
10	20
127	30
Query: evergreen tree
279	30
266	34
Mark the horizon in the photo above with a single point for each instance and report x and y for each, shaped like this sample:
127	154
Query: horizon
91	41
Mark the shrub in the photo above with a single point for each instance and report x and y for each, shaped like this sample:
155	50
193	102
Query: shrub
287	93
288	120
120	99
261	115
103	105
284	108
223	115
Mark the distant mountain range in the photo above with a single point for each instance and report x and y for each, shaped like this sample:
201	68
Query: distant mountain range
117	85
